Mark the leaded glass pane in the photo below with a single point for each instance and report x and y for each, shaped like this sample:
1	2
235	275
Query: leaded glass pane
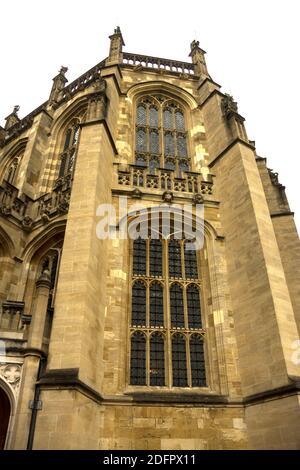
176	306
168	119
141	115
190	263
53	273
181	146
179	120
68	138
62	165
153	164
156	305
175	258
139	256
170	165
169	144
155	258
197	361
141	141
138	359
140	160
154	142
179	366
183	166
157	360
138	311
153	117
193	307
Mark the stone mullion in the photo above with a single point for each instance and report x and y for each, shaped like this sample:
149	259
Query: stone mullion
168	344
188	358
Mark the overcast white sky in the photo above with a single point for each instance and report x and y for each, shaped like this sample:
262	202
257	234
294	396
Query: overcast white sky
252	51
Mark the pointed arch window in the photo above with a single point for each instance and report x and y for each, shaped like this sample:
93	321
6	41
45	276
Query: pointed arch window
11	172
68	156
166	315
161	131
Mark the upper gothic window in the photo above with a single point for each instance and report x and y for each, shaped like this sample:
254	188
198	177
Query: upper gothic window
68	155
166	331
11	172
161	137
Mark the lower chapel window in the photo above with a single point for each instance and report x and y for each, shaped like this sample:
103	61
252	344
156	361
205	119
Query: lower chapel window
166	334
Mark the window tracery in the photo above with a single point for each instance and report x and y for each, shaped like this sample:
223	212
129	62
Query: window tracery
166	330
161	133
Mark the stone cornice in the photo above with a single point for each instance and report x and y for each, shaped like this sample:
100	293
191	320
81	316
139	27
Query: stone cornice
281	214
229	147
67	379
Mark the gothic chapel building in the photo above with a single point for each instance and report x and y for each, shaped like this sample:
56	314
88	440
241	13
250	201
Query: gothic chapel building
143	344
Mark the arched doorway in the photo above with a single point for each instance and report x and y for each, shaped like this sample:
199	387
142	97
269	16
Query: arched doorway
4	417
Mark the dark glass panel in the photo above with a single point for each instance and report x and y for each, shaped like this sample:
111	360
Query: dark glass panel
193	306
156	305
138	310
138	359
197	361
175	258
140	160
139	256
157	360
62	165
155	258
190	263
176	306
153	164
179	366
68	138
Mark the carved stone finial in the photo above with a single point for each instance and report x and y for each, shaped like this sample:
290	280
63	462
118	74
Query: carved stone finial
12	118
116	45
2	136
197	54
59	82
229	106
63	70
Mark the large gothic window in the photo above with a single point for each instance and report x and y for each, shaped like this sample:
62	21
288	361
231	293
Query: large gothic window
161	137
166	329
68	155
